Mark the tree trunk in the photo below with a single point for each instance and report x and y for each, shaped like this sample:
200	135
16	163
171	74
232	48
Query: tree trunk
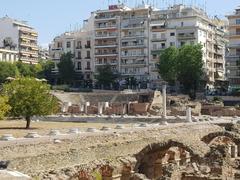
28	119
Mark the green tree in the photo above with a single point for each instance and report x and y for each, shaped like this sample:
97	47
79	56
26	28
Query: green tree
105	75
4	106
46	71
190	68
29	97
66	68
25	69
167	65
183	65
7	70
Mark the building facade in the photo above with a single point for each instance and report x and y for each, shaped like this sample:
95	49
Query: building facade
80	45
7	55
23	37
132	39
180	25
233	56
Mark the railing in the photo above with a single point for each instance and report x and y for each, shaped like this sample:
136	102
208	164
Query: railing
106	26
133	26
87	46
106	35
107	53
132	44
28	37
183	36
107	44
133	55
105	17
134	35
79	47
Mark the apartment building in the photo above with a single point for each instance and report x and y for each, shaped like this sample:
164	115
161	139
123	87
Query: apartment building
23	37
233	56
80	44
122	40
7	55
180	25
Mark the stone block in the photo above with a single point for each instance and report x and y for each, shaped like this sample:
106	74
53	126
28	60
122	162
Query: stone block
32	135
7	137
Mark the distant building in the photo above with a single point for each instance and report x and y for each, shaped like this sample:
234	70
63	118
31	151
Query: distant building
233	57
43	53
80	44
180	25
23	38
132	39
7	55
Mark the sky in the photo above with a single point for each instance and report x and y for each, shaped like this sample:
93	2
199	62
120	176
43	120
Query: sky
53	17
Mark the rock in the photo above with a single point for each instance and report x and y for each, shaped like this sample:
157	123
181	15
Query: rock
54	132
91	130
32	135
7	137
119	126
73	131
104	128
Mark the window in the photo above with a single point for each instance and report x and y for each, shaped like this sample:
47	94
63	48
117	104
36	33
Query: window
79	67
68	44
79	55
172	43
154	46
182	24
79	45
172	34
182	43
59	44
237	21
88	65
88	54
163	45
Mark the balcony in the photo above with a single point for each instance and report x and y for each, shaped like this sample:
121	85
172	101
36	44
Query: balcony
105	45
28	30
234	35
106	54
133	45
129	55
28	44
106	27
234	45
157	51
159	39
138	63
186	36
106	36
28	52
29	37
134	36
105	18
134	26
88	57
79	58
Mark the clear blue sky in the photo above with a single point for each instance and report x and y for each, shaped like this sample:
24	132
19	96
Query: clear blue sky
53	17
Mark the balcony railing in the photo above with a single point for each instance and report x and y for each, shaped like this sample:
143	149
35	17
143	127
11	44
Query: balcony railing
28	37
106	35
133	45
134	36
79	47
133	26
186	36
133	55
106	26
105	44
107	54
87	46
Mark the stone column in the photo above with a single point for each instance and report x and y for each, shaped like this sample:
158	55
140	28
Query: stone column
189	114
164	99
100	108
86	106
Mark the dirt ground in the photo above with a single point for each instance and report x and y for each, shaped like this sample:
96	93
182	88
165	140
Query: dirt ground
17	127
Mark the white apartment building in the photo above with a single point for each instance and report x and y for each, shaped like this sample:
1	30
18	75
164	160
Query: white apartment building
24	38
122	40
181	25
7	55
80	44
131	40
233	57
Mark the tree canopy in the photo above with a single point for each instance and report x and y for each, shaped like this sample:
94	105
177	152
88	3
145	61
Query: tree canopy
105	75
4	106
66	68
184	65
7	70
29	97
